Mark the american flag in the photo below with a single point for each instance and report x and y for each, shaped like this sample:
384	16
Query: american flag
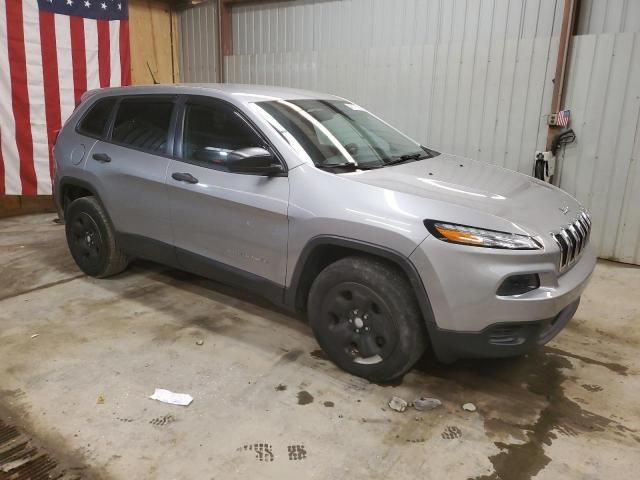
563	117
51	52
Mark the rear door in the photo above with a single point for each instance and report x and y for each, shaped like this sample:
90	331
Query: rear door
129	166
232	223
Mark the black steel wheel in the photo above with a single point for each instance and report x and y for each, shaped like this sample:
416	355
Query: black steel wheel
91	239
365	317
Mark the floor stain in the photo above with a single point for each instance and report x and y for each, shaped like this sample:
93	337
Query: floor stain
592	387
614	367
291	355
328	404
280	387
560	416
319	355
304	398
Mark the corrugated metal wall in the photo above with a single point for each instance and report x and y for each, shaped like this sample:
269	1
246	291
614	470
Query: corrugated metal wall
601	168
608	16
473	77
199	43
469	77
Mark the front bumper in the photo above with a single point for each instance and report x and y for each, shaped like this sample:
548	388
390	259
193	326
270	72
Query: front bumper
469	319
501	339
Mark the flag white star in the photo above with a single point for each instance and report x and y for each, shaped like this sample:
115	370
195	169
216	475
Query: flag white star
70	2
87	4
103	5
119	6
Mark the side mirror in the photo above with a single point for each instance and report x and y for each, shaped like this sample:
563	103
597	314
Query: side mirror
253	161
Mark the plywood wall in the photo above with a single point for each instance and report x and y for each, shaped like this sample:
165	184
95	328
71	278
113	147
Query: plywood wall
154	39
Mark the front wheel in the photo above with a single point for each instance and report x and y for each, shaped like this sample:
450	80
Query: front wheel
365	317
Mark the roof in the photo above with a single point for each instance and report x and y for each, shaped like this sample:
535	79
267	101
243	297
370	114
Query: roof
238	92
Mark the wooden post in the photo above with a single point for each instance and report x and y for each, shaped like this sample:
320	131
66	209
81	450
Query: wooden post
225	36
566	32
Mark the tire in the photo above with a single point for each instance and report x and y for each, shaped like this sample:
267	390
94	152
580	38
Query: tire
91	239
366	318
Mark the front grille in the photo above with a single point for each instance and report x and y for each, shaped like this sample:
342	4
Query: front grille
572	239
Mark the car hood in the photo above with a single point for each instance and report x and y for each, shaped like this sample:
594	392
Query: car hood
477	188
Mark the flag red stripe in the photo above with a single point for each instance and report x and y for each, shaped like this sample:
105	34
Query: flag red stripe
104	53
50	78
20	96
78	57
125	56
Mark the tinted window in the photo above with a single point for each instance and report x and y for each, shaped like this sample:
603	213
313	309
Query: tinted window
97	117
211	132
143	124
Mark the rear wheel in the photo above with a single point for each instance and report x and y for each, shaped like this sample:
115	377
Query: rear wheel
91	239
365	317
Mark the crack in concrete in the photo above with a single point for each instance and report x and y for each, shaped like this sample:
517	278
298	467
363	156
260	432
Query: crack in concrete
42	287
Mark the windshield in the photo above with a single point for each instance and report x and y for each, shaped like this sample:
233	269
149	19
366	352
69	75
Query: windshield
336	133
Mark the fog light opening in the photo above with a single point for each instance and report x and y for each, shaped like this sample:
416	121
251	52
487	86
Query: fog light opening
518	284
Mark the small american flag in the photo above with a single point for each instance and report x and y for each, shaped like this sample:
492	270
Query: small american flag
51	52
563	117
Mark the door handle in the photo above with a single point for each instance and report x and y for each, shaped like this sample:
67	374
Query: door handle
102	157
184	177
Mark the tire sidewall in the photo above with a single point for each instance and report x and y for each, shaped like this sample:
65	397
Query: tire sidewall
399	299
89	207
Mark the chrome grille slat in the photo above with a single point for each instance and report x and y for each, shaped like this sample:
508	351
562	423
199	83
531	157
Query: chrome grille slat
572	239
578	237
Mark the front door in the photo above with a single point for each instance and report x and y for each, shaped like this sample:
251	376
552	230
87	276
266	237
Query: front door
229	226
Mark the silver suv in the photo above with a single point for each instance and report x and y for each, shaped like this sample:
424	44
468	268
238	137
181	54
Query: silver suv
311	201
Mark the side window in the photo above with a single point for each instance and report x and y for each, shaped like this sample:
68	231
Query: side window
212	132
96	118
143	124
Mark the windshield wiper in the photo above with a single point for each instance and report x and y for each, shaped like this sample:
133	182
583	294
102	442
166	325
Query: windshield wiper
346	165
407	158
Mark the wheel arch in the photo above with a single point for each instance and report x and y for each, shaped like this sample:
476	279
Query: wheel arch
71	188
323	250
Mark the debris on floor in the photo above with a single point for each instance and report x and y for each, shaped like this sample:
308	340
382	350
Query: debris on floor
199	342
166	396
35	335
100	400
398	404
469	407
425	403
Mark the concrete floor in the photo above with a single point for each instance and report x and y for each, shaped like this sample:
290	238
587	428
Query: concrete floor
570	411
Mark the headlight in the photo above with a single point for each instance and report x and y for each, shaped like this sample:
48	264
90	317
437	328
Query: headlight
479	237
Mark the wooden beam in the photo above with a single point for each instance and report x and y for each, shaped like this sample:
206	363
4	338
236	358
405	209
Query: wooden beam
566	32
11	205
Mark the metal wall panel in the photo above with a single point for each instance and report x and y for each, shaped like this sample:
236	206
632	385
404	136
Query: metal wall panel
199	44
601	169
468	77
608	16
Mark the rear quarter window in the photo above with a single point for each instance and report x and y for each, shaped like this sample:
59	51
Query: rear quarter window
95	120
